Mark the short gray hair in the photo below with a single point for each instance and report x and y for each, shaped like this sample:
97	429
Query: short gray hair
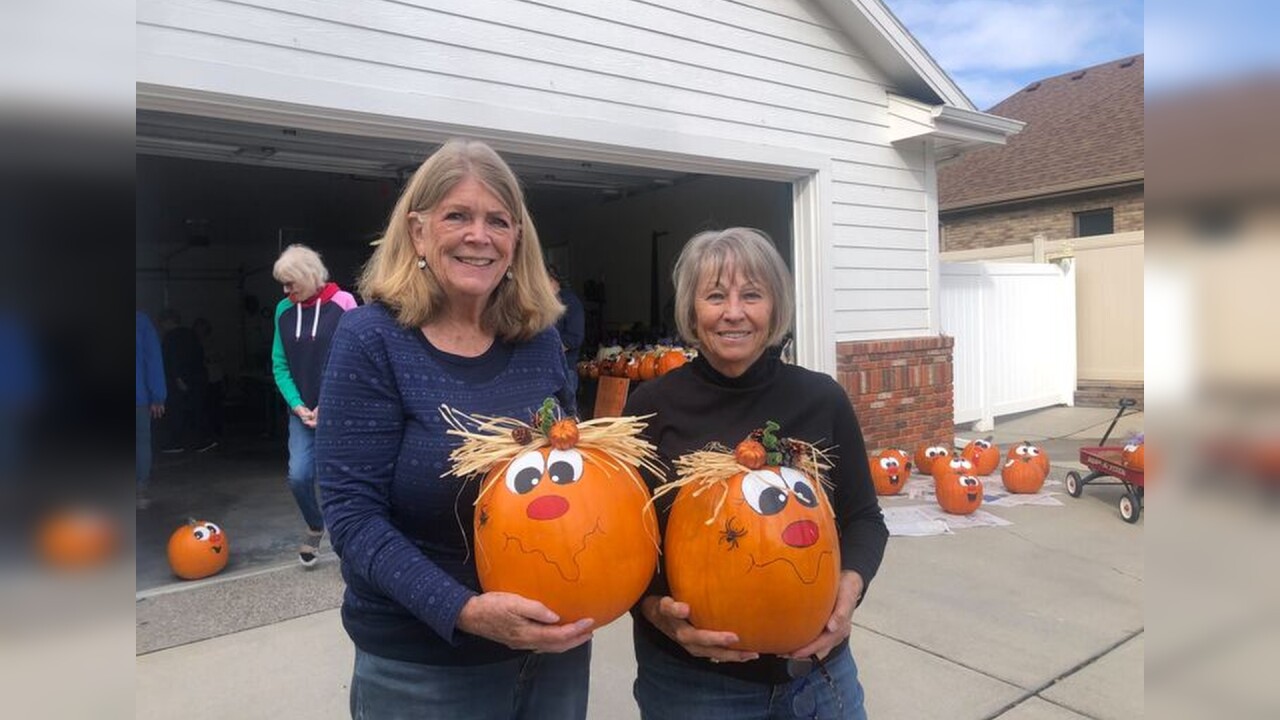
299	263
737	248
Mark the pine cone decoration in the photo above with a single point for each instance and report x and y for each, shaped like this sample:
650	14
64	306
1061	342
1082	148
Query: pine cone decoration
522	435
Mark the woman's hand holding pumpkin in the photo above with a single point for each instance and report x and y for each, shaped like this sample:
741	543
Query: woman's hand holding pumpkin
672	618
840	624
521	623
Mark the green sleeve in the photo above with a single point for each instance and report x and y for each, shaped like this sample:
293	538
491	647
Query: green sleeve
280	363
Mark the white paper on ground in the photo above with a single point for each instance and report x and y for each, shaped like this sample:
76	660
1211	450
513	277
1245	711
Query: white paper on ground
911	522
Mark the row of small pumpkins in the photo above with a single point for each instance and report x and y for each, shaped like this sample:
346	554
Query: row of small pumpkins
634	365
957	487
82	538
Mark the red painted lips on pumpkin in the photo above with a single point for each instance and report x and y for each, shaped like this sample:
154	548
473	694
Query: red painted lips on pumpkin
787	491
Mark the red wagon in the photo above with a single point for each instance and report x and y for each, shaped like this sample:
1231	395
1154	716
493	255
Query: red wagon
1105	462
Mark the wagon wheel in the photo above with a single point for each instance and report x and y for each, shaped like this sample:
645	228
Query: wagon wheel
1074	487
1130	509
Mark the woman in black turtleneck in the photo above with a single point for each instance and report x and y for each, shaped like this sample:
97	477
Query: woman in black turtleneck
734	302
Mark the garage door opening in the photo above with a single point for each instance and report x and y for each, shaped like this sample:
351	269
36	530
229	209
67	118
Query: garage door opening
216	202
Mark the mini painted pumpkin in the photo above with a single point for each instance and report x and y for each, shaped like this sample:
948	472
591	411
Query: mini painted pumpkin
1134	457
197	550
927	454
903	456
959	494
670	360
571	528
1021	474
889	472
1038	456
767	566
954	466
77	538
984	454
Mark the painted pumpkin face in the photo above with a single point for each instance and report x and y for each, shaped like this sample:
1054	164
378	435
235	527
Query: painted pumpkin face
1021	474
1134	457
984	455
954	466
889	472
767	565
569	528
926	455
197	550
959	494
1038	456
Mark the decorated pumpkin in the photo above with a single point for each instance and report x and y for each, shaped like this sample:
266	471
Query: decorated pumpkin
1134	456
670	360
1022	474
927	454
648	366
753	549
889	471
1038	456
959	494
984	454
563	516
77	538
954	466
197	550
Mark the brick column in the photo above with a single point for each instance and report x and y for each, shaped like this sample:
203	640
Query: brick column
901	390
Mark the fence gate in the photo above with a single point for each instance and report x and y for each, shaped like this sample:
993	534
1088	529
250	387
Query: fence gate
1014	326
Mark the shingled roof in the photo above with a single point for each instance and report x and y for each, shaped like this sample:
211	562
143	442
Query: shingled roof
1084	130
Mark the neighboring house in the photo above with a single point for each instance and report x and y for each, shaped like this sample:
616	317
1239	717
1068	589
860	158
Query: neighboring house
830	103
1071	184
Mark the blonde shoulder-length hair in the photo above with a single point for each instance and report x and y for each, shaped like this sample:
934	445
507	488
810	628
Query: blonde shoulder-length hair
520	307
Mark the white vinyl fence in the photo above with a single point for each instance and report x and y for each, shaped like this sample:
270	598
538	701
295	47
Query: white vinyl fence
1014	326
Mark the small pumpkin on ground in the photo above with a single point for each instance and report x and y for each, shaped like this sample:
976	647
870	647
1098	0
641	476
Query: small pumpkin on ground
984	454
926	455
1022	475
889	471
77	538
959	494
1038	456
198	549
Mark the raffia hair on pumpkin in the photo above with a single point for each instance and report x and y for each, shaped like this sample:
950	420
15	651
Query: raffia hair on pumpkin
715	464
489	441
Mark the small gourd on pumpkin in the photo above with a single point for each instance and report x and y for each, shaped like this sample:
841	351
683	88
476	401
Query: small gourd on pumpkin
926	455
1038	456
889	472
984	454
197	550
1021	474
959	494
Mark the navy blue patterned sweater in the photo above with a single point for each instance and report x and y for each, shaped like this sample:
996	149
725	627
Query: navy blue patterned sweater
401	529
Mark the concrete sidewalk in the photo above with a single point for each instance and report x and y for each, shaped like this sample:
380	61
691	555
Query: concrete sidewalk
1039	619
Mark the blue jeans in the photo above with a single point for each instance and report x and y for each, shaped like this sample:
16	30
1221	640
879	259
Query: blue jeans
302	472
668	688
536	686
142	446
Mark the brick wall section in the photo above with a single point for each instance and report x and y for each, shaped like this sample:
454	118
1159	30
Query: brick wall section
901	390
1012	224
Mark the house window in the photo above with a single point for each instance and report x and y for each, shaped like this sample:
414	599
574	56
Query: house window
1095	222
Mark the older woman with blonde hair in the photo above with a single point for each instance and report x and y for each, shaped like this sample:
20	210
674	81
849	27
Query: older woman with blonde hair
305	320
734	303
461	313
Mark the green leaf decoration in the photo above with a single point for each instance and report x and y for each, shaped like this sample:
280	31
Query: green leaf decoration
547	415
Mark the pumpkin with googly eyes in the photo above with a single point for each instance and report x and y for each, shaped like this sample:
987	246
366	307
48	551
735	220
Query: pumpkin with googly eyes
889	471
926	455
1133	456
959	494
562	515
753	551
197	550
984	454
952	467
1021	474
1038	456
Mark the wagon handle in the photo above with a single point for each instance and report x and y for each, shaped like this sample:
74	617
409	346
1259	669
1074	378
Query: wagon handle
1125	403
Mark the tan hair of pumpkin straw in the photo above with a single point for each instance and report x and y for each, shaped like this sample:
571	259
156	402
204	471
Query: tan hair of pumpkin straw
491	443
716	465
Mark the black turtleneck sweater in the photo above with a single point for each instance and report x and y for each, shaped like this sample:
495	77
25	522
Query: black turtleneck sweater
695	405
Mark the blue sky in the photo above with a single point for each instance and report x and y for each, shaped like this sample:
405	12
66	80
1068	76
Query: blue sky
992	48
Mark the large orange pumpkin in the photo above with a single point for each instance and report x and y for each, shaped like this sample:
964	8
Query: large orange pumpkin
959	494
767	566
197	550
1134	457
889	471
1038	456
927	454
1022	474
572	529
984	454
956	466
670	360
77	538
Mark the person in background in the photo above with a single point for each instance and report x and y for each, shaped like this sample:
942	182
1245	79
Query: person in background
734	302
571	327
305	320
148	400
460	313
187	380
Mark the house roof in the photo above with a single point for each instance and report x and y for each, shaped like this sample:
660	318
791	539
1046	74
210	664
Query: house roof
1084	131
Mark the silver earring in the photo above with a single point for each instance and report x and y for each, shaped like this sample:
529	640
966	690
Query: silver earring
422	263
509	275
